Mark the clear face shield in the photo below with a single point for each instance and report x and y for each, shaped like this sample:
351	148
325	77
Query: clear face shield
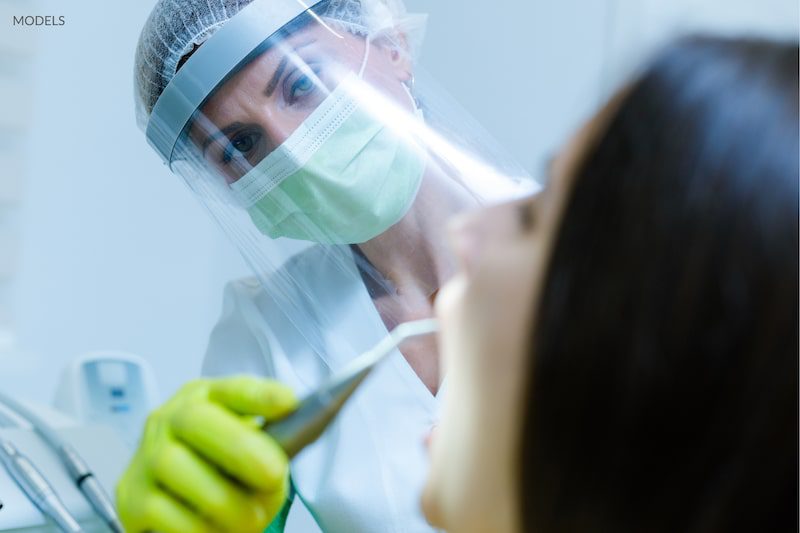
331	160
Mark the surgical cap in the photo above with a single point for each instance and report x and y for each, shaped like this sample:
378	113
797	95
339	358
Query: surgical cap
176	27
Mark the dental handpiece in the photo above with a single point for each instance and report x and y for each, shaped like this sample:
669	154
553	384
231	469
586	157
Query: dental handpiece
316	411
36	487
77	468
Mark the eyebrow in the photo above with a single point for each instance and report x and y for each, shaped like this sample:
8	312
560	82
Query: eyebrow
273	82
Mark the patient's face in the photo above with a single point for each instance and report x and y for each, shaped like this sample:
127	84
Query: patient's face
487	313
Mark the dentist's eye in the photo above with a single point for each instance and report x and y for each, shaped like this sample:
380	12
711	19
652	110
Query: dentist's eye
301	87
239	146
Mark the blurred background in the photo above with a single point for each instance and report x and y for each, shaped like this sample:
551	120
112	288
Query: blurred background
102	248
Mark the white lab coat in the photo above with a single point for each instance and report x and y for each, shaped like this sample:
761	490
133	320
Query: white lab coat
366	472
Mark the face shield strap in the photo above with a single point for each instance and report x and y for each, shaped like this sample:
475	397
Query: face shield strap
367	41
407	87
211	64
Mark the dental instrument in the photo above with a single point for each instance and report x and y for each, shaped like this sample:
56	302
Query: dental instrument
77	468
316	411
36	487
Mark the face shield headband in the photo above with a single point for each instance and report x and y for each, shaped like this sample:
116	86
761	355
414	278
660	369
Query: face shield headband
212	63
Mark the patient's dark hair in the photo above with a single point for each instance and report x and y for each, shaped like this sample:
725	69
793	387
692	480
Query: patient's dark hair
663	389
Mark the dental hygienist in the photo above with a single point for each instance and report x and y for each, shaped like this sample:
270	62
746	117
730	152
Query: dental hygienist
333	163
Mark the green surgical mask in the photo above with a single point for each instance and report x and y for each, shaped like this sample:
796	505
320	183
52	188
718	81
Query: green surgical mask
343	177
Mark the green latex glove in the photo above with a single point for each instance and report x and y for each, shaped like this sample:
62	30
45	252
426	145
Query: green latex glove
203	463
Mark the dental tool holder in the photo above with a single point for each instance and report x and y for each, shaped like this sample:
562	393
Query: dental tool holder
100	446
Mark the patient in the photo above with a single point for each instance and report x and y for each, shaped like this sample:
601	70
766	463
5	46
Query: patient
622	349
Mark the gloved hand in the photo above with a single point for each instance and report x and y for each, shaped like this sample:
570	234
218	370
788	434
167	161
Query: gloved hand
203	463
